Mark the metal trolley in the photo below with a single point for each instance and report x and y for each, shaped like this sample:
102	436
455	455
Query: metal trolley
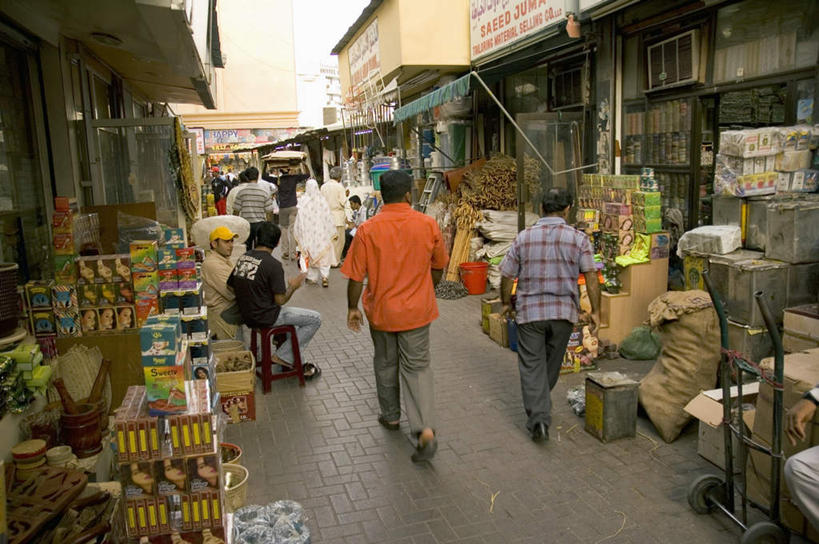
709	492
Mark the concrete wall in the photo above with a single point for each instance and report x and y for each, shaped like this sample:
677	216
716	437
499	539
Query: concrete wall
257	87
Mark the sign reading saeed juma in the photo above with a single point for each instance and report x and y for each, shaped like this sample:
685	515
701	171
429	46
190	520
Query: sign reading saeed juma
495	24
365	58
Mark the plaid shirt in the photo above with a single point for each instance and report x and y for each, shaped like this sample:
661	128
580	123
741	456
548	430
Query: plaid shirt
547	258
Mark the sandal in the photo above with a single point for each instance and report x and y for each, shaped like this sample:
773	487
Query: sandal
311	371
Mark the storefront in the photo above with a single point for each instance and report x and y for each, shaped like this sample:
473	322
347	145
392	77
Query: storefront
689	73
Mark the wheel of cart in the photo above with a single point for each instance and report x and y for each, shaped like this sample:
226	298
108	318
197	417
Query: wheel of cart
710	493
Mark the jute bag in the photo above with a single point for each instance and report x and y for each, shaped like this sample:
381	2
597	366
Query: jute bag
689	331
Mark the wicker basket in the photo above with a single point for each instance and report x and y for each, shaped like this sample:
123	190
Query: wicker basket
236	496
227	345
235	449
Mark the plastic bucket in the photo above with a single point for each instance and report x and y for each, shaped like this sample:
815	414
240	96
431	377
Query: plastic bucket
473	276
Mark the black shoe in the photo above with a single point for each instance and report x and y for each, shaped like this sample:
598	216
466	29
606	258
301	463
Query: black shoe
540	433
425	452
387	425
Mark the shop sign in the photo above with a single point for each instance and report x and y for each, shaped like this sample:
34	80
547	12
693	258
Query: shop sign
586	5
364	57
200	139
496	24
230	139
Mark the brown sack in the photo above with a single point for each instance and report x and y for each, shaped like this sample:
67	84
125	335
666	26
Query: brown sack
690	335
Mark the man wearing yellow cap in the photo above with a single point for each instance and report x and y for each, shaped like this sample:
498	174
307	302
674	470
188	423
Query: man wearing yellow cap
215	271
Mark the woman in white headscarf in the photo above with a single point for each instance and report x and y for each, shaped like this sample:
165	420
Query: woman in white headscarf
314	231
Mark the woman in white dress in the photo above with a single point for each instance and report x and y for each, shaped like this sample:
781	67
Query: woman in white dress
315	231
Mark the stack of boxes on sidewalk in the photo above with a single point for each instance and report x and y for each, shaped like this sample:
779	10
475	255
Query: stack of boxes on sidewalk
779	251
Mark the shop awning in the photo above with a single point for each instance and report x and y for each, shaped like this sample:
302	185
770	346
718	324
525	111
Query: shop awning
458	88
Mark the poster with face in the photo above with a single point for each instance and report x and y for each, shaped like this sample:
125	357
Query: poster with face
203	473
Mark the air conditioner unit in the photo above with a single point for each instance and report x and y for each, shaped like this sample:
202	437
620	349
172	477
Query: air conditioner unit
674	62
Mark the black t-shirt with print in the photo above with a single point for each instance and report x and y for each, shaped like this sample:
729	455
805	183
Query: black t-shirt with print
255	279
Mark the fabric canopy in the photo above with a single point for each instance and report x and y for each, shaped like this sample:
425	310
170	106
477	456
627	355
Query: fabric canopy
451	91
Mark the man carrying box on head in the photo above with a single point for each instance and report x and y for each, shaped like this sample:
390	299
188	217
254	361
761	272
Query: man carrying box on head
216	270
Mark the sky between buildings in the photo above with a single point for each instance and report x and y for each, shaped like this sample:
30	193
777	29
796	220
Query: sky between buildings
318	26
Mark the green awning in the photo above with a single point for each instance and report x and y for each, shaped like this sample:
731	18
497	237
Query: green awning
447	93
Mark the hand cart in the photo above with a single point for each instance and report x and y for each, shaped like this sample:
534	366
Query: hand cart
709	492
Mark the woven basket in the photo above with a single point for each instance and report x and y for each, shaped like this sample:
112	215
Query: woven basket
236	496
78	368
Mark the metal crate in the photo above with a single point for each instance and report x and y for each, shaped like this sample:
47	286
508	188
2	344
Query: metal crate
738	279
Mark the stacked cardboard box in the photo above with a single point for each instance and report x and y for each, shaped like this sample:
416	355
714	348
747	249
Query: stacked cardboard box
164	362
146	278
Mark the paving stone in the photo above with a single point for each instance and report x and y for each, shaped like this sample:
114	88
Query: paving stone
322	446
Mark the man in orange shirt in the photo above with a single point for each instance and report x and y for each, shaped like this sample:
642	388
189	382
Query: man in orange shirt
401	254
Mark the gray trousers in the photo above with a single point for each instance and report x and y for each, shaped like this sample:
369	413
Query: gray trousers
404	353
287	218
802	477
541	347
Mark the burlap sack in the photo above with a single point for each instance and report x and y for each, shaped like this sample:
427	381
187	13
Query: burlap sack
689	331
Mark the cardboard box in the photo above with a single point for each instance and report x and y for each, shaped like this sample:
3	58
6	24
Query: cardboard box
145	307
793	343
803	321
498	330
185	258
648	212
146	283
108	294
642	198
159	339
648	225
143	256
693	265
660	245
171	476
203	473
166	258
174	237
616	208
165	389
617	223
169	280
707	407
238	406
138	479
489	306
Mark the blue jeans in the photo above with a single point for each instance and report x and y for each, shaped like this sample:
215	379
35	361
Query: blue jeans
307	322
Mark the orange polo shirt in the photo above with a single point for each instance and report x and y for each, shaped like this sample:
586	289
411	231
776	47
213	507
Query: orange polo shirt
395	251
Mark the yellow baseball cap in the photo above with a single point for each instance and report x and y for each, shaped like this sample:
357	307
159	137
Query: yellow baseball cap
222	233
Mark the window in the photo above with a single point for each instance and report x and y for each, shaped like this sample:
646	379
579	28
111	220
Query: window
24	234
101	95
525	92
760	37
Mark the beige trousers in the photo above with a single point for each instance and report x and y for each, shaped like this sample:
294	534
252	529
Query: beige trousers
338	243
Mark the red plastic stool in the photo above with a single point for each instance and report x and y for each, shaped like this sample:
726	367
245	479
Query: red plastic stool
264	364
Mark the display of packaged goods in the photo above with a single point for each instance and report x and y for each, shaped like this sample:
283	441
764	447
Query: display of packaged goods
38	294
143	256
756	184
107	294
105	269
138	479
166	358
89	319
801	181
42	322
25	354
188	278
750	143
648	212
146	283
173	237
167	319
68	324
615	208
87	270
184	301
65	269
64	243
107	319
125	293
169	280
122	268
171	476
648	225
157	338
62	221
791	161
787	239
165	389
616	223
64	298
203	473
166	258
186	258
145	307
126	316
65	204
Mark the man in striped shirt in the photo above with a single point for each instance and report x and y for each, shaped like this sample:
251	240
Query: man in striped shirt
547	259
253	203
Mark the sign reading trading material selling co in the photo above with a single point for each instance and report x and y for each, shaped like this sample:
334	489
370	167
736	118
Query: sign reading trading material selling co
495	24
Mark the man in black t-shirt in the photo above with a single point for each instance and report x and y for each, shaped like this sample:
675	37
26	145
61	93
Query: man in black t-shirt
288	206
261	293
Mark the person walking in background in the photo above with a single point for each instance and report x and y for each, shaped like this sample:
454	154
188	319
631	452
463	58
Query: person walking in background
261	294
253	204
547	259
219	187
359	216
288	209
336	197
216	269
233	193
401	254
314	231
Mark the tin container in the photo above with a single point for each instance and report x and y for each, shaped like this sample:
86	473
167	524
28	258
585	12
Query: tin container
803	284
611	406
728	210
736	279
756	224
789	239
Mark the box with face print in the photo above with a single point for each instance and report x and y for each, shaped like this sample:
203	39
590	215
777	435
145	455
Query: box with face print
171	476
185	258
203	473
107	319
166	258
125	317
187	278
168	280
89	319
138	479
174	237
